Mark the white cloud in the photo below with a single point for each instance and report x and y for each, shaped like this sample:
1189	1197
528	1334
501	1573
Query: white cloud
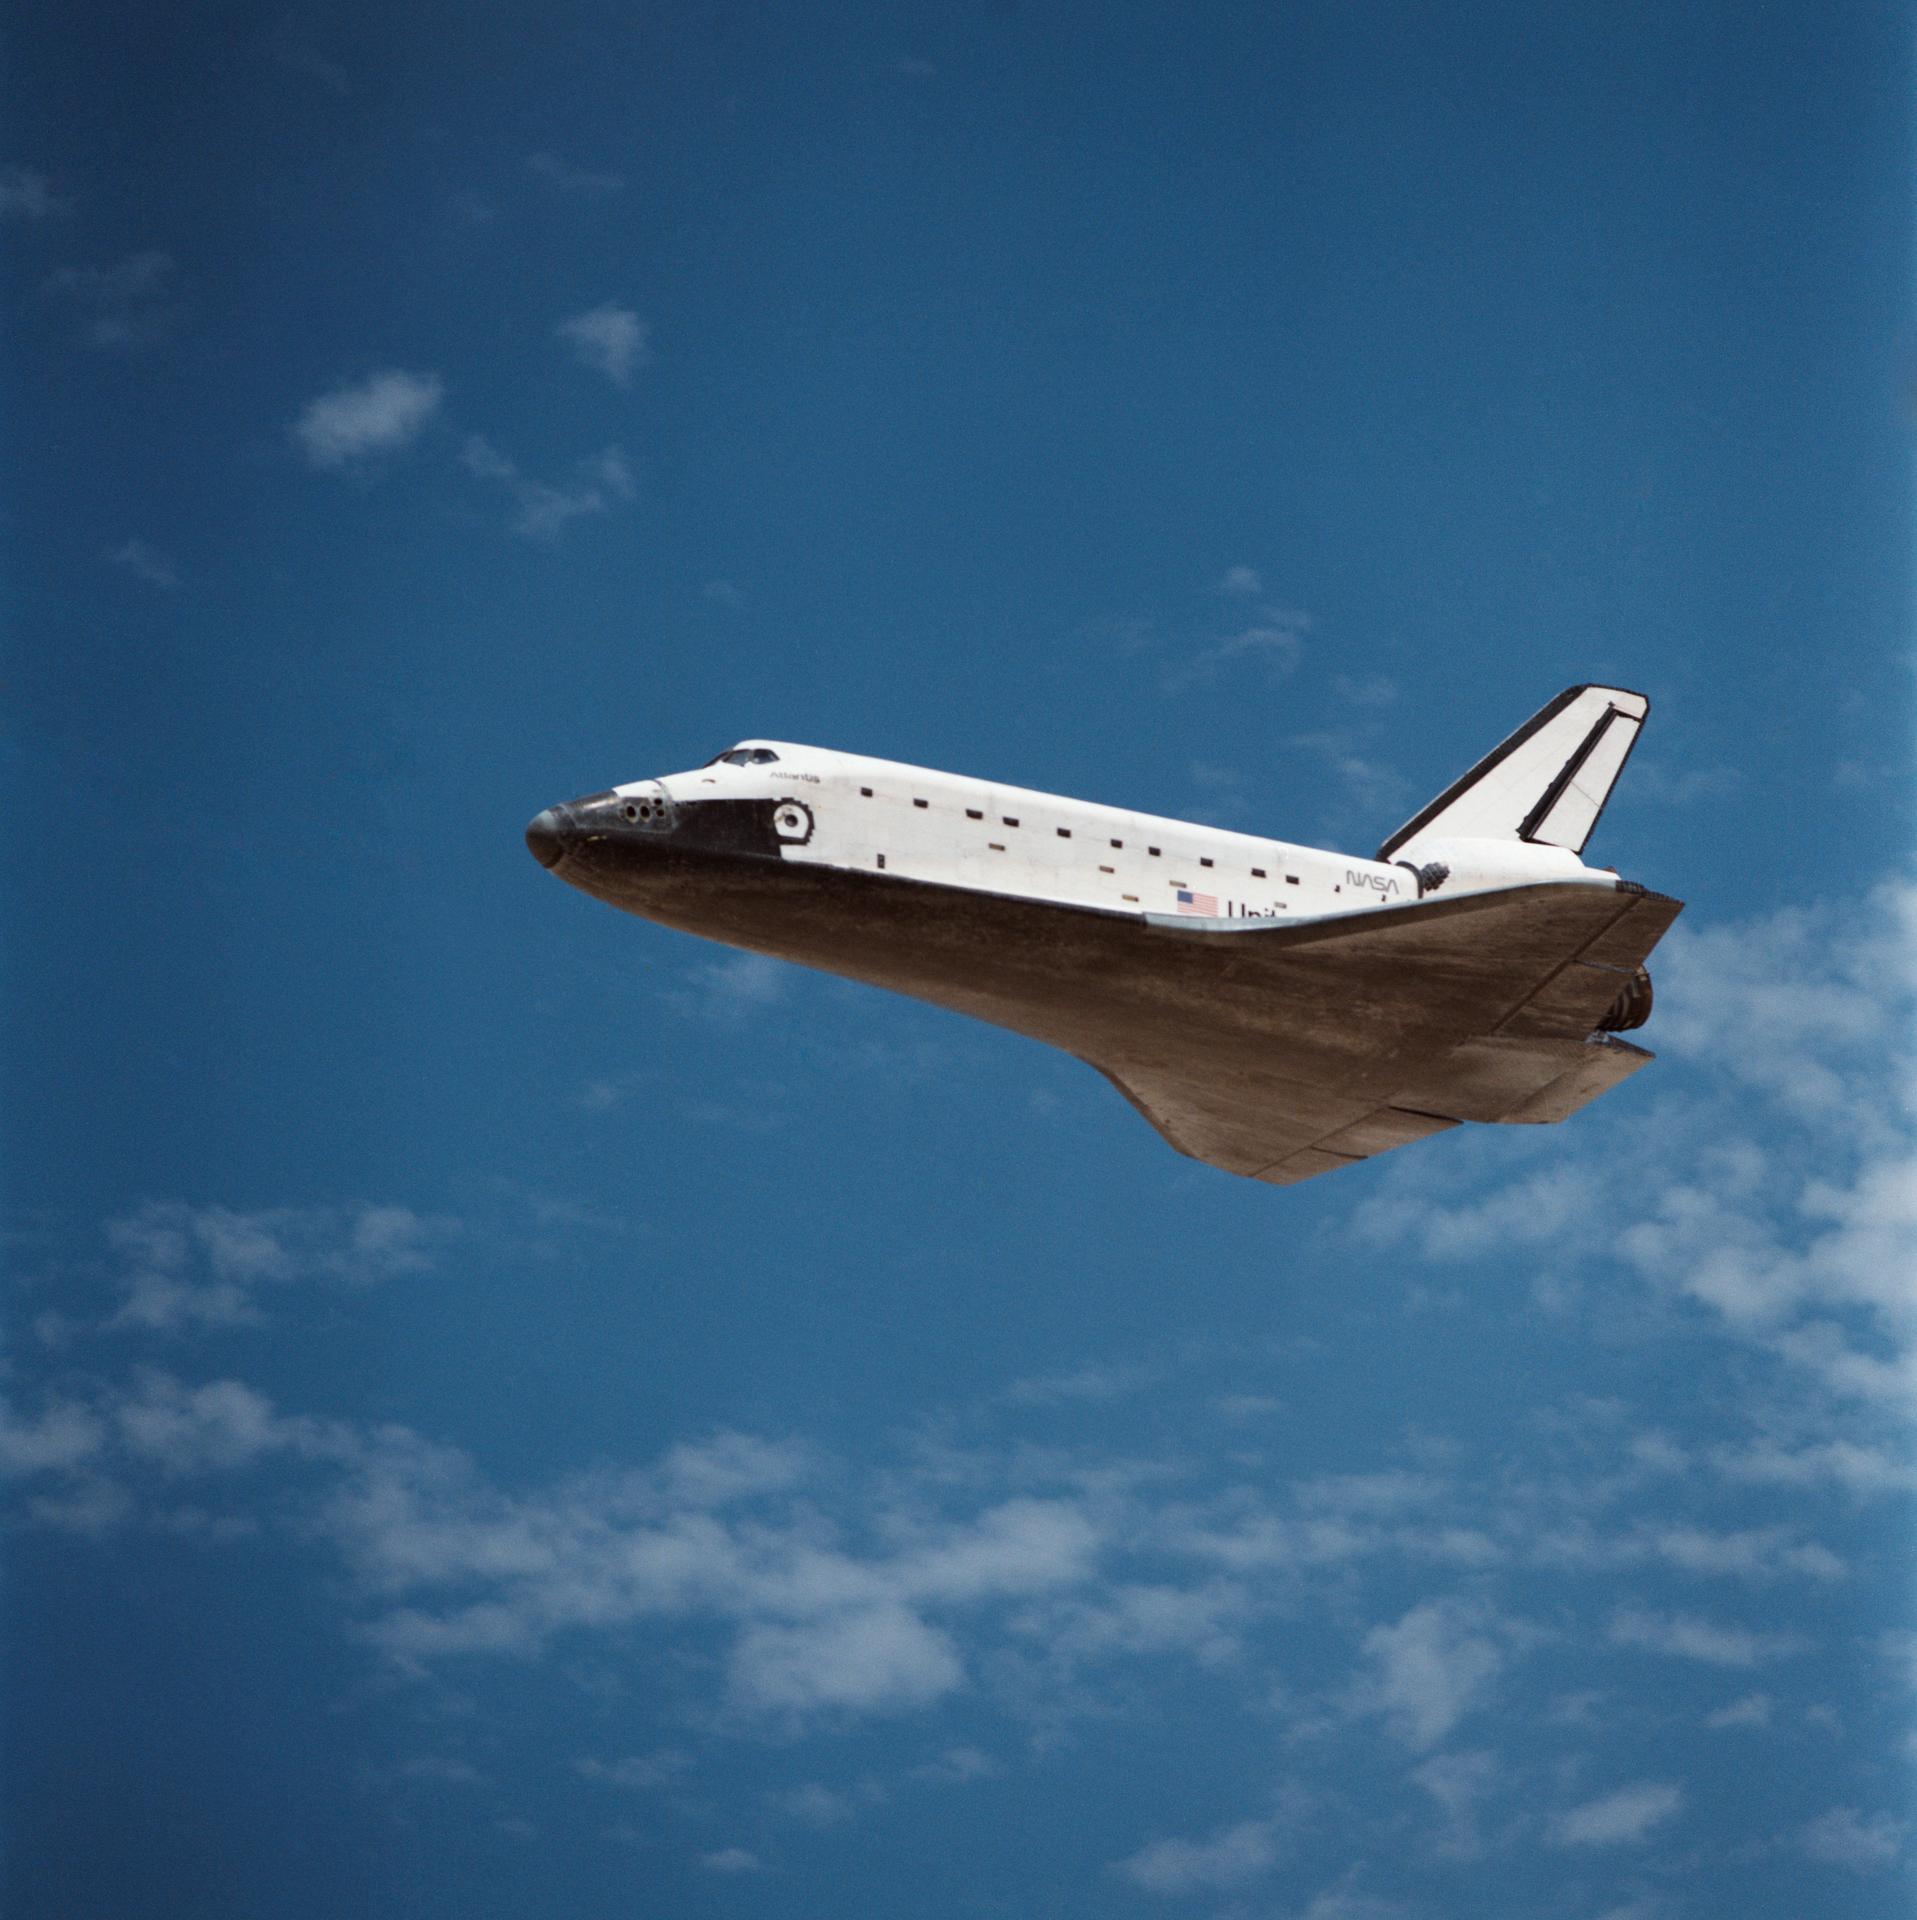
731	1860
873	1660
1428	1671
1233	1857
1274	641
1685	1637
1535	1211
730	1466
1844	1837
1346	1902
1241	583
1459	1783
221	1426
1367	787
63	1436
1020	1546
1774	1189
610	339
1137	1619
29	195
484	461
181	1266
152	567
1622	1818
356	422
817	1805
1758	1553
1748	1710
956	1766
595	486
735	986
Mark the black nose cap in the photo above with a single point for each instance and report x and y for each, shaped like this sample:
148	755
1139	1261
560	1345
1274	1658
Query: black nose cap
546	836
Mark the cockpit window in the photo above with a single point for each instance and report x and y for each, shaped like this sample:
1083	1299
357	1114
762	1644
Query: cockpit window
744	757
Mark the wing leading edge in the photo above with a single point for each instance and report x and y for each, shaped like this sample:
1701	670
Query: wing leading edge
1482	1008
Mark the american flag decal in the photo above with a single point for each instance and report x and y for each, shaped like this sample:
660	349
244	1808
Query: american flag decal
1205	903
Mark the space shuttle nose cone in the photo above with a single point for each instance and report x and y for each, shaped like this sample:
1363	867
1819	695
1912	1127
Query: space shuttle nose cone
546	836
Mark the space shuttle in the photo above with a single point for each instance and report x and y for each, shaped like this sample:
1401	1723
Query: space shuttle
1273	1010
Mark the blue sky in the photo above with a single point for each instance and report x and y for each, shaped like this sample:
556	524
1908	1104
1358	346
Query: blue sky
508	1409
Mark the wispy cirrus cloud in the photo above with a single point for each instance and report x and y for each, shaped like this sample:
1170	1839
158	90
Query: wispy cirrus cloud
595	485
1272	643
358	422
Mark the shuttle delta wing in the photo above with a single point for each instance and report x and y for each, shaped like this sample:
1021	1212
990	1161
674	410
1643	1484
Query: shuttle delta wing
1480	1008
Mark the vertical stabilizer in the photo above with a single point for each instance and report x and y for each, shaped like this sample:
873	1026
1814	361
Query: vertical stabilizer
1547	784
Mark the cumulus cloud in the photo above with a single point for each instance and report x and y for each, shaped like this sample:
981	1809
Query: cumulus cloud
181	1266
610	339
1779	1196
871	1659
1622	1818
1428	1670
359	421
1241	583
